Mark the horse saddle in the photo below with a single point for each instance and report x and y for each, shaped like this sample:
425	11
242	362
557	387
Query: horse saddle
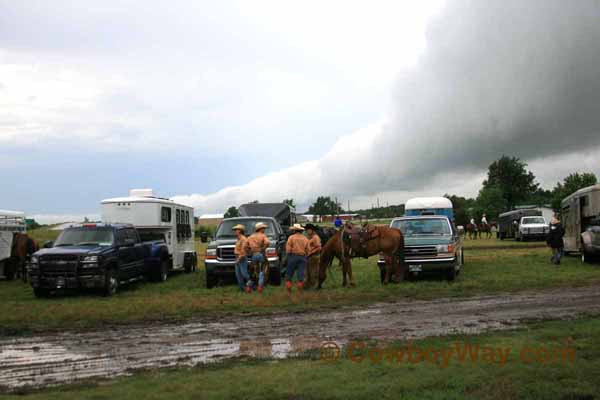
356	238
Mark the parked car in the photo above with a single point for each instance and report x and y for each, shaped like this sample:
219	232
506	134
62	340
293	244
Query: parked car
532	228
220	260
97	256
432	244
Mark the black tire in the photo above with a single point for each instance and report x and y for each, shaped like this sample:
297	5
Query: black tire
451	274
462	258
211	280
111	282
41	293
162	272
9	270
586	257
275	277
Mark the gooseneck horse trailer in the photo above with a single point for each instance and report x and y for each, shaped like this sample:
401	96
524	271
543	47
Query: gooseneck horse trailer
578	211
157	218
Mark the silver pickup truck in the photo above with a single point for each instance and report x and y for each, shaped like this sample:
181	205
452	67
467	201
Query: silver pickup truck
432	244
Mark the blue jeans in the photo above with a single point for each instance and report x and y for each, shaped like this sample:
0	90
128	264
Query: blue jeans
556	255
295	262
241	272
259	259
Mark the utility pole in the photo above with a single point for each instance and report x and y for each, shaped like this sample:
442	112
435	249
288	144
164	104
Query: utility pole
348	206
378	202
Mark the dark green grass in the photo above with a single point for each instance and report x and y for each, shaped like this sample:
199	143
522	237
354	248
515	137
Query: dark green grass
185	295
311	378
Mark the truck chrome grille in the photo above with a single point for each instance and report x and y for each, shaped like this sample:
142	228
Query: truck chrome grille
226	253
59	265
420	251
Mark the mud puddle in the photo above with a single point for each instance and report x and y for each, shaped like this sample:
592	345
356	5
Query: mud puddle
53	359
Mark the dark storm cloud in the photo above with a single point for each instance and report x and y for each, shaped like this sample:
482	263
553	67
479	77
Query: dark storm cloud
497	77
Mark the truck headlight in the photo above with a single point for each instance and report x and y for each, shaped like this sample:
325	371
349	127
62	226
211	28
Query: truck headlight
211	254
90	261
445	248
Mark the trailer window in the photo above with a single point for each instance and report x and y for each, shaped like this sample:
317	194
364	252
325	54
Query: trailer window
583	201
165	214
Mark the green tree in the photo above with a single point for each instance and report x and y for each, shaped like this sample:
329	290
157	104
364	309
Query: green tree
232	212
570	185
462	207
324	205
510	176
491	202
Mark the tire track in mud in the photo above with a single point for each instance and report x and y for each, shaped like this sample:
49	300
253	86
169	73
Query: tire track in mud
59	358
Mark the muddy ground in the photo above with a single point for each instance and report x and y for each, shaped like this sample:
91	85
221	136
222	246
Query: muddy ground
57	358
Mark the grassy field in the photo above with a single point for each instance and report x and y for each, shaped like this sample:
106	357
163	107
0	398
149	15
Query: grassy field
185	295
528	372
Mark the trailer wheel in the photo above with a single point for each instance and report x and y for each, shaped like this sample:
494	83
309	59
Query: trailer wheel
9	270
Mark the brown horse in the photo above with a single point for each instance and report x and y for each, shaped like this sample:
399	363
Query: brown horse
22	248
364	242
472	230
485	228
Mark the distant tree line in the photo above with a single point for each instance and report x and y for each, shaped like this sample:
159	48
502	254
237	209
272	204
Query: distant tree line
508	184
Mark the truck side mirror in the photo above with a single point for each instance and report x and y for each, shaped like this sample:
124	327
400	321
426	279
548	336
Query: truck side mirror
204	237
128	242
49	244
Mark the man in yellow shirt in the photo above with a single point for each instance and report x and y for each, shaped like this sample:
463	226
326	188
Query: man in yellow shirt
297	251
241	261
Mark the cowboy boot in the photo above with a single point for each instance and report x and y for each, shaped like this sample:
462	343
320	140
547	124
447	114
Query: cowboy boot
288	286
300	286
260	288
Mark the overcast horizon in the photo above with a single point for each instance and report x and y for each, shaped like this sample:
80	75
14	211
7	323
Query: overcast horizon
220	104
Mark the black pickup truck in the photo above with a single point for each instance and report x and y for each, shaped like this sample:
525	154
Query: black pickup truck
97	256
220	259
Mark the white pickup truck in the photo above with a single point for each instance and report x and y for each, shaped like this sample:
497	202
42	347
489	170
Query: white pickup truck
532	228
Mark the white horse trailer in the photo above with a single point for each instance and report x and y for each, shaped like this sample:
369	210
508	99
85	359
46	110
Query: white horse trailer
157	218
11	222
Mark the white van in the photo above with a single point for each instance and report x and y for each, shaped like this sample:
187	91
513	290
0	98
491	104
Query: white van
157	218
11	222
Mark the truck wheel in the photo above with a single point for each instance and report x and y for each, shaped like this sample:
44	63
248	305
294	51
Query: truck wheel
41	293
586	257
211	280
451	274
275	277
111	282
162	273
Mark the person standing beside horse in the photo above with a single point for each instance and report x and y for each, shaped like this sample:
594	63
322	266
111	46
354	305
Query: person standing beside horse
297	249
314	252
256	245
241	260
555	240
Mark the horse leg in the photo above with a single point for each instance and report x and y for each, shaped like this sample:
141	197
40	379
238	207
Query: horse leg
349	268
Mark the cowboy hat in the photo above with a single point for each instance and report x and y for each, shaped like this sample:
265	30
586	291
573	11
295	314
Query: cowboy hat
310	226
260	225
296	227
239	227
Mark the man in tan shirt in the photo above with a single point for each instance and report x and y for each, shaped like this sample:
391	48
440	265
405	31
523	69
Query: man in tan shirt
256	245
241	261
314	255
297	251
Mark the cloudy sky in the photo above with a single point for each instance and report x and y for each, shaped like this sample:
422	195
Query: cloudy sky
219	103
